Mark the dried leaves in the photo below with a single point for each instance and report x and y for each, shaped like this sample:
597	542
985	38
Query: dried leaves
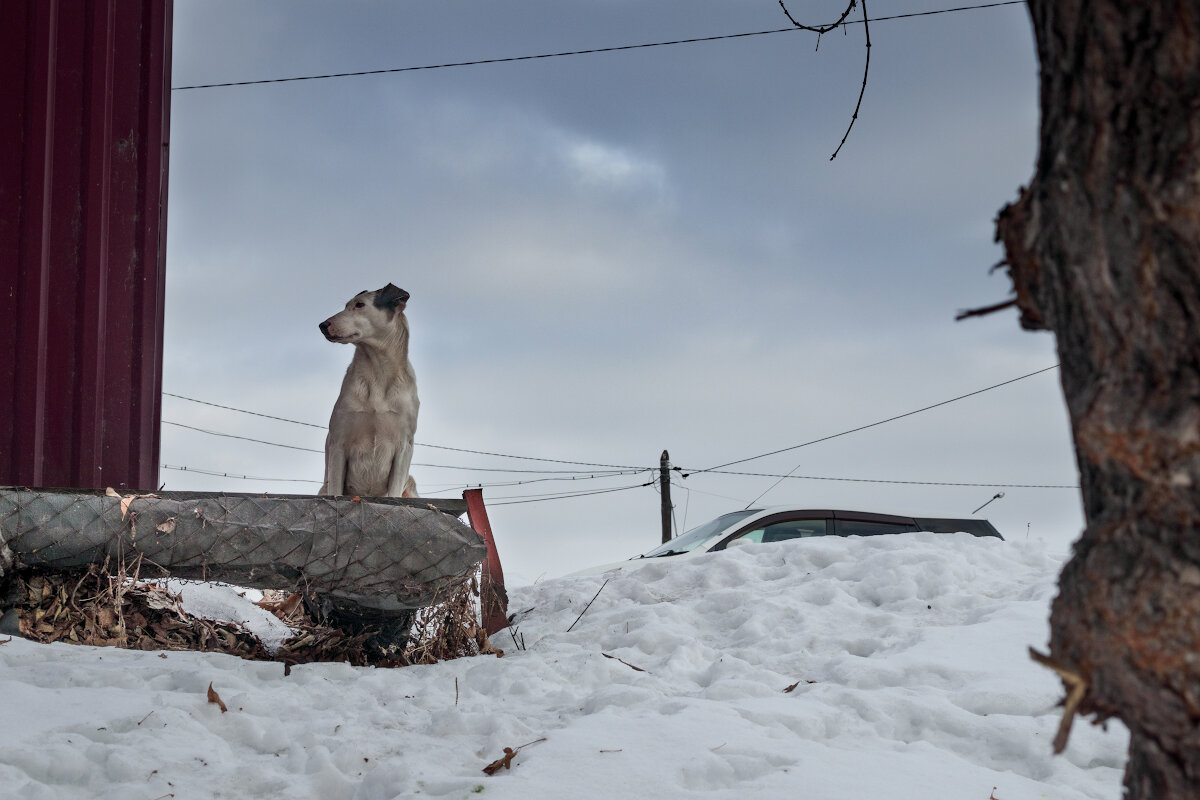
125	499
103	607
451	629
96	607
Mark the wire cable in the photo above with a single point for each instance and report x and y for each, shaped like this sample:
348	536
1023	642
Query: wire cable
219	474
871	425
244	411
907	483
609	474
540	499
243	438
417	444
901	416
589	51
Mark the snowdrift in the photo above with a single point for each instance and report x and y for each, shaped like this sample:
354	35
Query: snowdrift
887	667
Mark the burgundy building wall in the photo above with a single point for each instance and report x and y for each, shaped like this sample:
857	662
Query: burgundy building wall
84	122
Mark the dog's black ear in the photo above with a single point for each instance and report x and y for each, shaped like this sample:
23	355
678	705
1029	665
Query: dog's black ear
392	297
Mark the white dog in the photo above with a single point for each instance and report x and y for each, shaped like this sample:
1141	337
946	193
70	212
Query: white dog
370	442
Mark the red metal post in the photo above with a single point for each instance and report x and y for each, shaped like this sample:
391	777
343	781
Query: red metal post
493	599
84	121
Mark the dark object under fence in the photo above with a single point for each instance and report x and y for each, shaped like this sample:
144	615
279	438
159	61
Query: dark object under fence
365	563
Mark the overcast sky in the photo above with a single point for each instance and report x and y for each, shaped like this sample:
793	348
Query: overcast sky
614	254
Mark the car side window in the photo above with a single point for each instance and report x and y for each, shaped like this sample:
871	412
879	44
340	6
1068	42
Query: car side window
851	527
792	529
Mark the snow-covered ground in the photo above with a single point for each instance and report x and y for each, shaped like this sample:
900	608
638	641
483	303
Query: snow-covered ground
908	656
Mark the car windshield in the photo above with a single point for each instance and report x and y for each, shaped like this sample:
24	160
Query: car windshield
700	536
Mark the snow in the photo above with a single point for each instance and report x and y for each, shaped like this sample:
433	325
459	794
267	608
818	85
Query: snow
909	656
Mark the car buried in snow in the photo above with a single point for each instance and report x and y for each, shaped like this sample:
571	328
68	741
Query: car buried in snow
780	523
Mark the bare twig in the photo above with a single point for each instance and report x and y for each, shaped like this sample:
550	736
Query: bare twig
623	661
983	312
1077	687
823	29
819	29
589	605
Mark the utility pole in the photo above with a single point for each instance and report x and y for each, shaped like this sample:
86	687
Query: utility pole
664	482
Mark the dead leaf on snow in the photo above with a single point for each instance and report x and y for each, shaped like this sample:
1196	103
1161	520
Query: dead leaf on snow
506	761
501	763
213	697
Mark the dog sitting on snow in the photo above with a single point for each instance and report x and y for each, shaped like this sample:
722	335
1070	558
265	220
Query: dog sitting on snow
370	442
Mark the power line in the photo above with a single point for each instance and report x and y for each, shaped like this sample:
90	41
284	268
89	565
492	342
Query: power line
418	444
243	438
496	485
590	51
611	473
244	411
873	424
566	496
218	474
901	416
907	483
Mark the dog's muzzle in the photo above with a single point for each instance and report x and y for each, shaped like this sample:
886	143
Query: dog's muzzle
324	326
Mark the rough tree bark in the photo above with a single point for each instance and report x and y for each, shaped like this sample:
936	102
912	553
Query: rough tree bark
1103	248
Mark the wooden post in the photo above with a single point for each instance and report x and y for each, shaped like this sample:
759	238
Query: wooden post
664	482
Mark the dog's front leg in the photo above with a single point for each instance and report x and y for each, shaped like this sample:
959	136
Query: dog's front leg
400	464
335	468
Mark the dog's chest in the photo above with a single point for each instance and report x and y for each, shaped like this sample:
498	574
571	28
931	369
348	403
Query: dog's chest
371	414
364	396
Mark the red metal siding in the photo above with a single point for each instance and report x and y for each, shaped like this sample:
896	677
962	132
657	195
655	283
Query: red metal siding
84	122
493	597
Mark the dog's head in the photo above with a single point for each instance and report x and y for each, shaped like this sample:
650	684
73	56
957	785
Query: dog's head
369	317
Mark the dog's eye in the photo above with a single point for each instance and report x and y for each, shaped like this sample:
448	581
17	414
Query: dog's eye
360	304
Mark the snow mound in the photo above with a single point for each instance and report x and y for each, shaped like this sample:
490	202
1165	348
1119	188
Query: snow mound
891	666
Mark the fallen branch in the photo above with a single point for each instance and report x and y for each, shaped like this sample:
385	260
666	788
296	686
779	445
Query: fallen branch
623	661
589	605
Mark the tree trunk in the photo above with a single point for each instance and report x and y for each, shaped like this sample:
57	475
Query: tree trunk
1104	249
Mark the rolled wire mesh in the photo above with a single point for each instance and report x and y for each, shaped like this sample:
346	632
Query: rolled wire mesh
378	554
